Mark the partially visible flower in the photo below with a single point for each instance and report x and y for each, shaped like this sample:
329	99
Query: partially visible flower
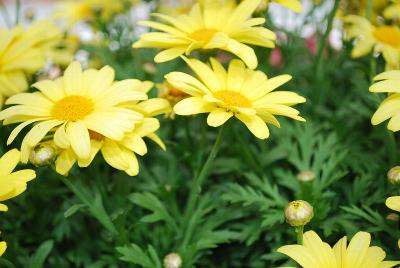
358	254
392	11
63	54
239	92
3	247
276	57
393	217
121	153
393	175
390	108
294	5
72	106
384	39
87	10
12	183
299	213
209	26
170	93
172	260
360	7
22	53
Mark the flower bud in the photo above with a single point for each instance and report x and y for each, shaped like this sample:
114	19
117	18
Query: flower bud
299	213
393	175
393	217
172	260
43	154
306	175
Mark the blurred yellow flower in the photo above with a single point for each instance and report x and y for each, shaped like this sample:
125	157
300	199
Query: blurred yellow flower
120	154
390	108
22	53
383	39
171	94
360	7
12	183
239	92
87	10
294	5
63	54
393	202
211	26
358	254
392	11
72	105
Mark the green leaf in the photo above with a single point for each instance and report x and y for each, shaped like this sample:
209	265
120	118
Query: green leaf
134	254
38	259
73	209
151	202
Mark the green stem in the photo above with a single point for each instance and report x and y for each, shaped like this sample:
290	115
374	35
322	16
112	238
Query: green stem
322	41
17	11
299	234
199	180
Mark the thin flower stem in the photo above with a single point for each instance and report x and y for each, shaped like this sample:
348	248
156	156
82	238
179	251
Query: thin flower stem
299	234
17	11
199	180
322	41
196	190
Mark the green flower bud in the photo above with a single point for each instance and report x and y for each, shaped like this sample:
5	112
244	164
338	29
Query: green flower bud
298	213
43	154
393	175
172	260
393	217
306	175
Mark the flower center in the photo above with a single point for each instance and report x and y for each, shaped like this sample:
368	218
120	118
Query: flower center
232	98
203	35
72	108
95	135
388	34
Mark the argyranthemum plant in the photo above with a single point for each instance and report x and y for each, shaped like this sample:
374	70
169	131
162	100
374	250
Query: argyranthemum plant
120	154
239	92
390	108
384	39
22	53
358	254
72	106
209	26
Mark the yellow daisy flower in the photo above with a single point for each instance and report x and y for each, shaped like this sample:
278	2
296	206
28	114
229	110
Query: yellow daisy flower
358	254
209	26
384	39
239	92
393	202
22	53
392	11
12	183
71	106
390	108
87	10
120	154
3	247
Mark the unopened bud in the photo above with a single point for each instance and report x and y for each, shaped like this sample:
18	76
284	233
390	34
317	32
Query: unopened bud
393	175
172	260
306	175
393	217
299	213
43	154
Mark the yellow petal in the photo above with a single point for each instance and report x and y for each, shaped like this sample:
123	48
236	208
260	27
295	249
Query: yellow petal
169	54
3	247
192	105
357	249
255	124
78	135
218	117
393	203
9	161
65	161
300	254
